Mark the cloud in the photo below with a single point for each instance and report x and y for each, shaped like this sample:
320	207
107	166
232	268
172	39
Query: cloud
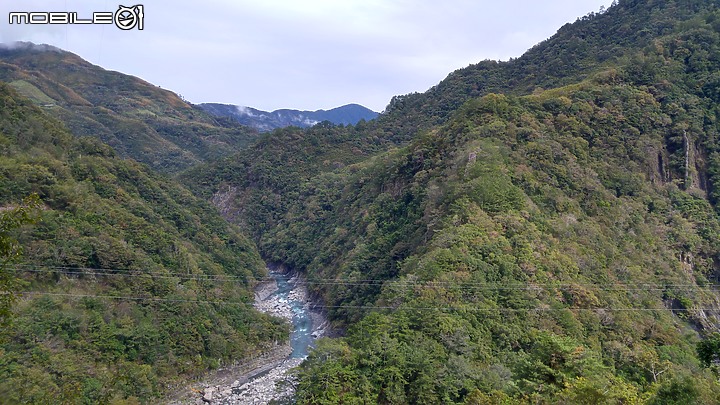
29	46
245	111
309	54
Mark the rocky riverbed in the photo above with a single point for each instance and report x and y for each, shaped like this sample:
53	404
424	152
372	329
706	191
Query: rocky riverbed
286	297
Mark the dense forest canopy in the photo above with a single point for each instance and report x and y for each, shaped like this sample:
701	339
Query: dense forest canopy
128	283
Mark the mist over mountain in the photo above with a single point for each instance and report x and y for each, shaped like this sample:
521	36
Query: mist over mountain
264	121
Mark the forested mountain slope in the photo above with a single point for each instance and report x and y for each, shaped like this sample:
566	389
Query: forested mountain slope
129	282
591	44
541	245
621	36
531	248
255	187
138	119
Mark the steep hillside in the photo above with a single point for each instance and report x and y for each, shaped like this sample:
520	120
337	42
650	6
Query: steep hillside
136	118
621	36
129	283
349	114
255	187
545	245
591	44
532	248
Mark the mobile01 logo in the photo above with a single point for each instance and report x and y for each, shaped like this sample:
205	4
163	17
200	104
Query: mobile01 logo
125	18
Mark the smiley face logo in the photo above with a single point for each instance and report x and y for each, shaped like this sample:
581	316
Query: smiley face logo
127	18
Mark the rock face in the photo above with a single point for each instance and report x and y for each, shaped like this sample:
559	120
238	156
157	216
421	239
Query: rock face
274	380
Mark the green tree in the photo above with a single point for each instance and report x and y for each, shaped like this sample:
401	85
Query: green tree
10	219
708	351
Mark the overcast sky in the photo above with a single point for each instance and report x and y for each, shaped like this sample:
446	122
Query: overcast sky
314	54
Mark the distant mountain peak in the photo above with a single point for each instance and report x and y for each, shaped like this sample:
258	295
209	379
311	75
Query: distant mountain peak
267	121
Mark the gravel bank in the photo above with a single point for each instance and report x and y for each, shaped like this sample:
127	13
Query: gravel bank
271	378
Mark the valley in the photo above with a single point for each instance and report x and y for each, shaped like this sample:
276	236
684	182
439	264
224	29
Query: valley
285	295
540	230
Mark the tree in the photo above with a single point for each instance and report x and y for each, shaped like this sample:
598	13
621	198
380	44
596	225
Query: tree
708	351
11	219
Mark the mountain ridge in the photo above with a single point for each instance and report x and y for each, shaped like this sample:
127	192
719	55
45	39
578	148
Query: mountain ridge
348	114
138	119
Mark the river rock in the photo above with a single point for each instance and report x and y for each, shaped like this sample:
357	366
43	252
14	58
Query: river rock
272	378
208	394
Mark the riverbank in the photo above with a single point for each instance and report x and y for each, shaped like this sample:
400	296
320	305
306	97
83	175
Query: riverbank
218	383
268	377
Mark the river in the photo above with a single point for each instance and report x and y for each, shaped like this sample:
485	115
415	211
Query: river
287	297
293	296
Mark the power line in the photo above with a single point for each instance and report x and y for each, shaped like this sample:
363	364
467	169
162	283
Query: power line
200	277
121	271
118	272
130	298
370	307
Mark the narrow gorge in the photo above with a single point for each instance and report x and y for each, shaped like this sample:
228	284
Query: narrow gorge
285	295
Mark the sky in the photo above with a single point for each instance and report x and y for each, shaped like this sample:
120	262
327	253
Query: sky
307	55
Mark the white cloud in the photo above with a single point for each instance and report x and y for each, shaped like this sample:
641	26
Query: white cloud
245	111
307	55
